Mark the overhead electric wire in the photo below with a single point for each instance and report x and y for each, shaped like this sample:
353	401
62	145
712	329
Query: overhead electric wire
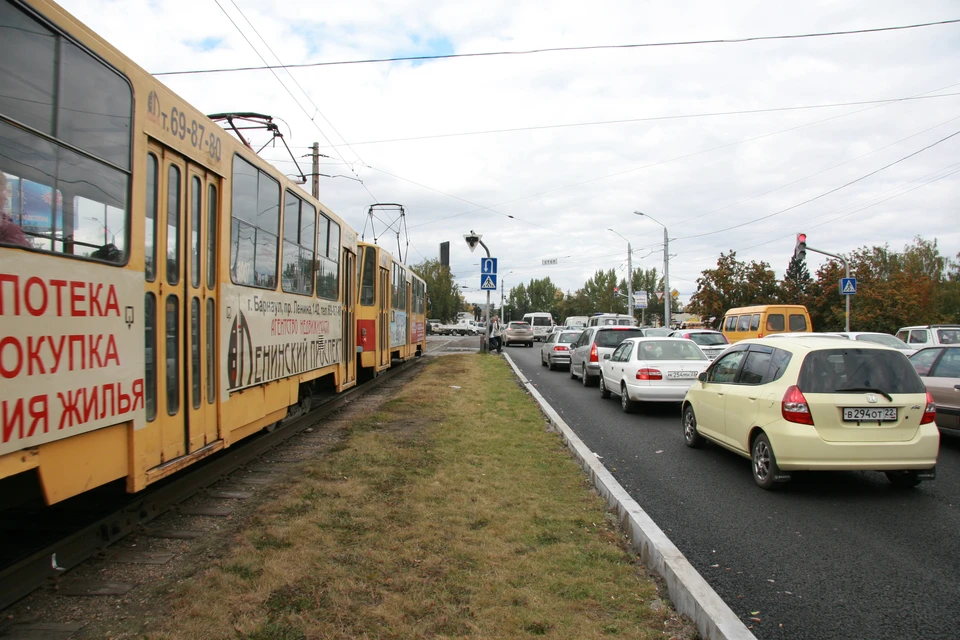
782	186
619	173
822	195
569	125
449	56
287	89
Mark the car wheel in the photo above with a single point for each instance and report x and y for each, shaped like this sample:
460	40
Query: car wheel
573	371
903	479
690	435
583	376
550	365
764	463
626	403
604	392
543	361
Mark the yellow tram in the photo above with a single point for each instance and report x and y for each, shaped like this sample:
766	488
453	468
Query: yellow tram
391	310
164	292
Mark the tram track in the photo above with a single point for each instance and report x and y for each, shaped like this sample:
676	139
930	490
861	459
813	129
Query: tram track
36	567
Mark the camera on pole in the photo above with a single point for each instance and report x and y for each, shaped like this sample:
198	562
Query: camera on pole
800	251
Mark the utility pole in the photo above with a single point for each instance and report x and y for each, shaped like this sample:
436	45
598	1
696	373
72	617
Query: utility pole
316	170
630	283
667	294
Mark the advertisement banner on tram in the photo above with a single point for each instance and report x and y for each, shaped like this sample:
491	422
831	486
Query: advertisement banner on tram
71	349
271	335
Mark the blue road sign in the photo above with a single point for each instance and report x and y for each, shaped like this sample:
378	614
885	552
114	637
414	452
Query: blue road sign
848	286
488	282
488	266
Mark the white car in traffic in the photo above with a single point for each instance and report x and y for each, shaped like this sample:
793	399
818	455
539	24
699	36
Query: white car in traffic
651	370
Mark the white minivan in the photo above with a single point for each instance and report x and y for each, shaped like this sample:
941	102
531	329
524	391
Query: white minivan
541	322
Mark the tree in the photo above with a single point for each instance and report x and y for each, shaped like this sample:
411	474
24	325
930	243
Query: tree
796	281
443	296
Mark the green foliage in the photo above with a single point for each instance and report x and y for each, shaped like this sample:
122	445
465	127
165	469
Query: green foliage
443	296
733	284
894	289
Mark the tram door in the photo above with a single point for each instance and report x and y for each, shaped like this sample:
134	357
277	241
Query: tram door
383	313
349	298
184	290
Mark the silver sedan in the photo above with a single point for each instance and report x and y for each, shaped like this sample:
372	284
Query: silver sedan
556	349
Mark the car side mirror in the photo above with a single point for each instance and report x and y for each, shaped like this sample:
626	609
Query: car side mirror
606	356
702	377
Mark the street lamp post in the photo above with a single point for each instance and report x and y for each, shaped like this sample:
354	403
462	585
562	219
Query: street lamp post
472	241
629	277
666	269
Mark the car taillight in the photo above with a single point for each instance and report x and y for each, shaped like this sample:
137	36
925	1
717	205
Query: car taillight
561	347
593	353
794	407
687	336
649	374
930	413
759	335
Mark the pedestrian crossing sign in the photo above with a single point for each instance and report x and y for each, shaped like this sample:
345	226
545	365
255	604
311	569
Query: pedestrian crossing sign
848	286
488	282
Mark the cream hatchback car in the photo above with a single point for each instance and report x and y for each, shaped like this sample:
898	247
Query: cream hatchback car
792	404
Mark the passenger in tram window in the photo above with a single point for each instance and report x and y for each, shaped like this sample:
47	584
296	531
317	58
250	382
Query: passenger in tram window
10	231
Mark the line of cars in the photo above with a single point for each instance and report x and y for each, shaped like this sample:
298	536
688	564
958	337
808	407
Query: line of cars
790	402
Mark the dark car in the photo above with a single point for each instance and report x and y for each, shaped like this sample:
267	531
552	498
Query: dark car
594	342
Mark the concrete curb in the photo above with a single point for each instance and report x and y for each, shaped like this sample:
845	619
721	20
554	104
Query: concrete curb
690	593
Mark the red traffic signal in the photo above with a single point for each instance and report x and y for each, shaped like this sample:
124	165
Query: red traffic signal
800	250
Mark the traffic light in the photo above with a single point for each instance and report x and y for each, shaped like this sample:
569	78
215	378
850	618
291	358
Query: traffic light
800	251
616	291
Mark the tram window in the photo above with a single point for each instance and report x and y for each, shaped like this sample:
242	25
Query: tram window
172	355
195	351
84	217
150	265
398	288
255	226
173	224
369	273
95	106
150	369
196	195
27	70
211	236
328	251
299	233
49	184
211	362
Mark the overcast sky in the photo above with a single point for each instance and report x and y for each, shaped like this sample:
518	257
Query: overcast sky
543	153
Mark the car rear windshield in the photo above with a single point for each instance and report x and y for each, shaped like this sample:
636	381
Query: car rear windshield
852	370
542	322
948	336
613	337
567	338
669	350
708	339
518	325
657	333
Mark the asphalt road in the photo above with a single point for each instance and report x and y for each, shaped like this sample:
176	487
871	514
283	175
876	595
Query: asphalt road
831	555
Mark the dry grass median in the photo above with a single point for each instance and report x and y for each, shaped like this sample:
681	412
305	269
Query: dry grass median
447	513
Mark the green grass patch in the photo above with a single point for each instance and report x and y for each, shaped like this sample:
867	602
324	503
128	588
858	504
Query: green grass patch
447	512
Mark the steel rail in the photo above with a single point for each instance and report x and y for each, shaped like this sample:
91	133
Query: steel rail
23	577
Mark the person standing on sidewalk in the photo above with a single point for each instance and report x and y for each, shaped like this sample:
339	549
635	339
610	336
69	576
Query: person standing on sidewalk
495	335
